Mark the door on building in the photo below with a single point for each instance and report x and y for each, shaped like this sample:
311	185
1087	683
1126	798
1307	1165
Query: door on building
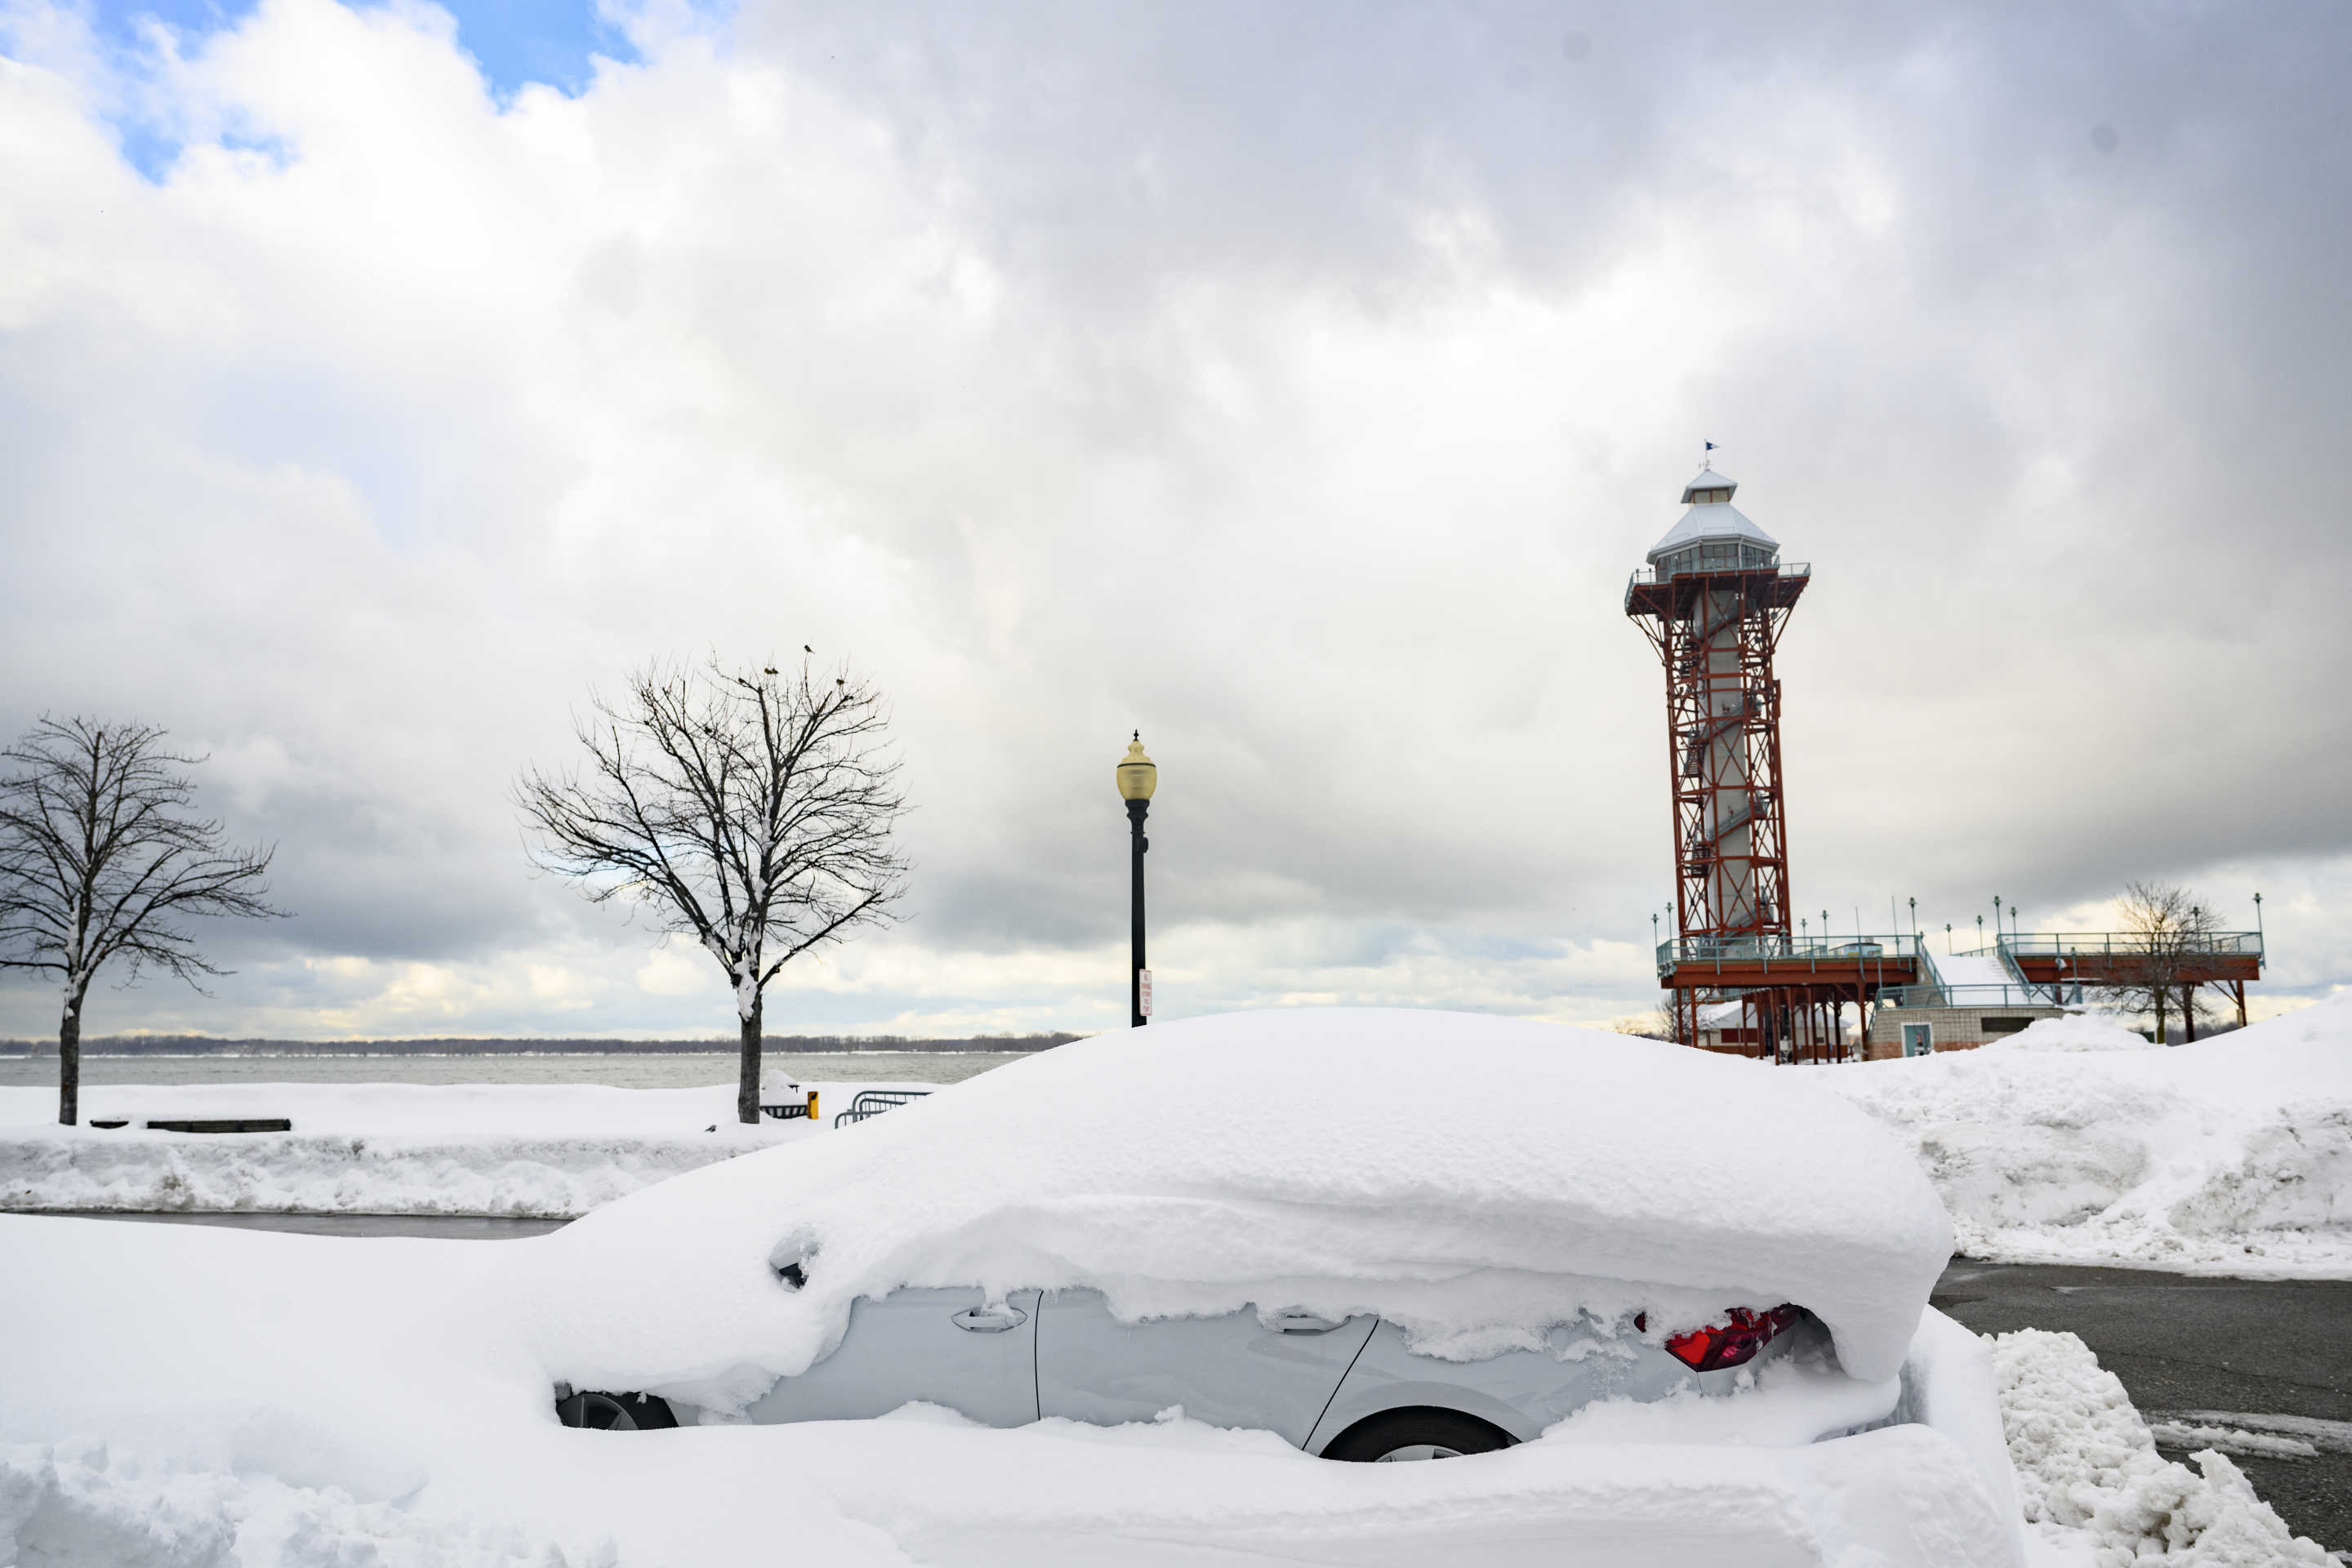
1918	1039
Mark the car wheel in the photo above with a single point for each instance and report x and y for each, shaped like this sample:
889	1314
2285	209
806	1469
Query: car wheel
615	1412
1426	1433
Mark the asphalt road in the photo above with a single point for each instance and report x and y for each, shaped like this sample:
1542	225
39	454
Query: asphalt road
2262	1348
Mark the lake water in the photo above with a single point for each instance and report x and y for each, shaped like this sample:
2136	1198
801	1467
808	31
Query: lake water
684	1069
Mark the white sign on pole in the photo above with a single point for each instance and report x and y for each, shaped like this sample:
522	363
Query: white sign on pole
1143	992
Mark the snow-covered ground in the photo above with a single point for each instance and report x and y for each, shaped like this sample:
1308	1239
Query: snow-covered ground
2076	1141
556	1150
324	1437
343	1425
188	1397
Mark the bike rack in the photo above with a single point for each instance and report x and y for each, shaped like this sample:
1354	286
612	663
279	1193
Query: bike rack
874	1102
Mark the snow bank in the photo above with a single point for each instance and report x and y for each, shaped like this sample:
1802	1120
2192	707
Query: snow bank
1946	1386
1473	1179
2089	1473
489	1149
76	1505
925	1488
2075	1032
2232	1155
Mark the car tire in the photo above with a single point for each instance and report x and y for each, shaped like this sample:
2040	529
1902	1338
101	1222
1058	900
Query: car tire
615	1412
1417	1434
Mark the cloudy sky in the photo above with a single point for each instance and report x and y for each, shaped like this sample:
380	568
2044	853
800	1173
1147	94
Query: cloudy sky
1296	382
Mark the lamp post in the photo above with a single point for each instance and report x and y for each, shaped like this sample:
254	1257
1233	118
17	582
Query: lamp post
1138	777
2258	924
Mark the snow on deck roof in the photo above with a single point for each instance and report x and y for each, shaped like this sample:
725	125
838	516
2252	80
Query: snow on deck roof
1971	969
1471	1178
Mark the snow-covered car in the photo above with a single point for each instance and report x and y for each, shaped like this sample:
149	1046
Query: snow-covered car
1241	1218
1348	1388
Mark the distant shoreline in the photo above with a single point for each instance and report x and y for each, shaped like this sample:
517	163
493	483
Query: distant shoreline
189	1047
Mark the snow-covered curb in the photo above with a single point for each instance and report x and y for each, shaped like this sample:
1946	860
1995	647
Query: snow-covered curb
290	1173
555	1151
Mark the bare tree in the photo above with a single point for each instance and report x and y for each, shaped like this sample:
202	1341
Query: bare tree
752	812
2170	930
1658	1024
99	858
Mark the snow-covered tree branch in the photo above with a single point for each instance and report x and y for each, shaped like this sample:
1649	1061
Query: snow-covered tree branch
98	859
752	812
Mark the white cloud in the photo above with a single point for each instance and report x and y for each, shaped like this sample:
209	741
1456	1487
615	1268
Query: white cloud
1063	399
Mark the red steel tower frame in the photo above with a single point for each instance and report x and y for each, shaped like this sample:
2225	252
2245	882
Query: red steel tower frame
1713	603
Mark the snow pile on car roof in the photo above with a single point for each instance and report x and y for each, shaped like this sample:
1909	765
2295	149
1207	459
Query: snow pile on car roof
1474	1179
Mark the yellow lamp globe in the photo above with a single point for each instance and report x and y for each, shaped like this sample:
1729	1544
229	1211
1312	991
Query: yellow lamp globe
1139	776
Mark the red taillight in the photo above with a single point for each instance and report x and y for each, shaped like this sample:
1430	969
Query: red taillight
1733	1343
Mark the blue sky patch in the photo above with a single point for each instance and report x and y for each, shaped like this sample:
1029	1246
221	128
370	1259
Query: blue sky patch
514	42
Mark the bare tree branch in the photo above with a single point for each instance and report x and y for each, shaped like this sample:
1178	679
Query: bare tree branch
100	859
2168	928
751	811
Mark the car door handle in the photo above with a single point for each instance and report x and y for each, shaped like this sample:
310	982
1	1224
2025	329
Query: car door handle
1304	1323
988	1320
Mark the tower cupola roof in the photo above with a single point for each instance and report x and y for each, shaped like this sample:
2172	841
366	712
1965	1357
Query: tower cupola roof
1713	529
1705	483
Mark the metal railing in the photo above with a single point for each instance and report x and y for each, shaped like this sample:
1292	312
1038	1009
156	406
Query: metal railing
874	1102
2067	944
1707	564
1980	996
1748	949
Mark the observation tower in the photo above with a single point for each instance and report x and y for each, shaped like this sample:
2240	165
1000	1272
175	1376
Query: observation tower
1714	601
